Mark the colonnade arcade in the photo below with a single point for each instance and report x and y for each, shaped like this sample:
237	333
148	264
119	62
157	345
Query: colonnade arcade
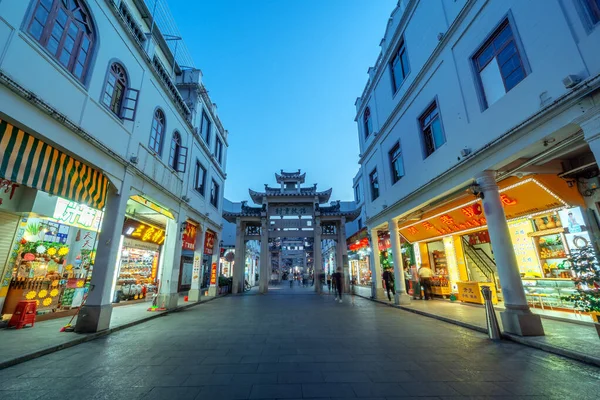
290	223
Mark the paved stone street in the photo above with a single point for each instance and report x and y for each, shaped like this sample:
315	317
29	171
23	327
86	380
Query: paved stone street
292	344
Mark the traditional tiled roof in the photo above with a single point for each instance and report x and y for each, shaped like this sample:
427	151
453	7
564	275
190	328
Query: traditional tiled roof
304	192
287	176
246	212
334	210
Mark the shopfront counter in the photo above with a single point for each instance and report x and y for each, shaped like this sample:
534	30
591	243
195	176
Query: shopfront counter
470	292
549	291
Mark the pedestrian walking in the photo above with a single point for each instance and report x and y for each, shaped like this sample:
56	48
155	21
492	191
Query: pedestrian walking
338	280
407	278
425	275
388	278
329	282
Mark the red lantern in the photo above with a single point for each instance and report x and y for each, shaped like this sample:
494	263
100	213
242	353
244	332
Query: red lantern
477	209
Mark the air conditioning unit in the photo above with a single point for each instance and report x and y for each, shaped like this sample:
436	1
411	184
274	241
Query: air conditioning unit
133	159
185	198
570	81
196	130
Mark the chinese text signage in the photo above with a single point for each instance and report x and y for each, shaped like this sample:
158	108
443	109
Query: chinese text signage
209	242
79	215
213	274
189	236
144	232
296	210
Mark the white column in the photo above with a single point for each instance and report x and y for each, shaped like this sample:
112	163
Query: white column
264	273
375	264
195	293
401	296
317	255
169	278
95	315
517	318
240	257
343	253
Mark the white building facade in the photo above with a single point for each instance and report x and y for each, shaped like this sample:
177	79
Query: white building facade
480	115
102	109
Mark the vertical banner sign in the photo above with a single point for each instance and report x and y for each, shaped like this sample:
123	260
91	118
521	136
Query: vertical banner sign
209	242
196	271
213	274
189	236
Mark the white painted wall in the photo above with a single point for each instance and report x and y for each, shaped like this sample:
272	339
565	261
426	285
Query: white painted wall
26	62
556	42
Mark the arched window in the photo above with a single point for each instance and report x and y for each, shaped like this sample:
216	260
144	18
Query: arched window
158	131
65	29
114	88
178	154
368	125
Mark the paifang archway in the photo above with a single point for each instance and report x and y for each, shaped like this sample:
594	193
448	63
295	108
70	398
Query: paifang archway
291	224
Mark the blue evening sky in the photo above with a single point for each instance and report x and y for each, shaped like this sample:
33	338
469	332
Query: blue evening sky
285	75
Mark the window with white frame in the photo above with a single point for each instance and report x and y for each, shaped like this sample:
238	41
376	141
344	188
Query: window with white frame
199	178
219	150
157	131
396	163
205	127
374	181
498	64
431	129
399	67
593	9
214	193
178	154
367	122
357	192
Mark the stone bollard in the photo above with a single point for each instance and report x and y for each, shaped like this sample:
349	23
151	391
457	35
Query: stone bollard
490	314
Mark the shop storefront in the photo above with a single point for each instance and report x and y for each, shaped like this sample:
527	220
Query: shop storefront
209	249
47	243
141	251
359	251
546	222
227	259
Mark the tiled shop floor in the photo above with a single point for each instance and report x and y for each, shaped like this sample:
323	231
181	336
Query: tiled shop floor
296	346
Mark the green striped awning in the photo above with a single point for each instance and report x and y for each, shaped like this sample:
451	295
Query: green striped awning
28	161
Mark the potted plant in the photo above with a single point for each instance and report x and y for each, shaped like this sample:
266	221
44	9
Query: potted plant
584	263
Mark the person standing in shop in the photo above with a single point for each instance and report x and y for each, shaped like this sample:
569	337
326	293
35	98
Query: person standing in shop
388	278
425	275
338	283
407	278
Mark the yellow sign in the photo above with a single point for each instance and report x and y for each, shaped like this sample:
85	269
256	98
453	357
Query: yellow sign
525	251
153	206
470	292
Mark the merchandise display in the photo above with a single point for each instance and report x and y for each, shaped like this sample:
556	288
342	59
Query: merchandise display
137	274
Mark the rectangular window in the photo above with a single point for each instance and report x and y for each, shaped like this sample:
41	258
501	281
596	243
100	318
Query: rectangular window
431	128
399	67
357	192
498	64
593	8
219	150
214	194
374	185
396	163
205	127
199	178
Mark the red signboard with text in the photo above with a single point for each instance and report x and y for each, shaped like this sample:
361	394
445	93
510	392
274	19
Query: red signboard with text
209	243
189	236
213	274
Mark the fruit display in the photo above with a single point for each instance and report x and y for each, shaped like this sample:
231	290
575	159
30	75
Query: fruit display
552	247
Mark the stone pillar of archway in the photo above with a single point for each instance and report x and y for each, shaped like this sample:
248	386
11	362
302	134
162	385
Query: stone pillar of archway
263	286
317	255
239	265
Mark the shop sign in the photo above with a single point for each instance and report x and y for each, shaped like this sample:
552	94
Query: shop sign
143	232
153	206
383	240
525	251
290	210
75	214
209	242
519	199
189	236
196	272
213	274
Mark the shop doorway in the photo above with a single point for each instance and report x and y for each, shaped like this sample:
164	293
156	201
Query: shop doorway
479	258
